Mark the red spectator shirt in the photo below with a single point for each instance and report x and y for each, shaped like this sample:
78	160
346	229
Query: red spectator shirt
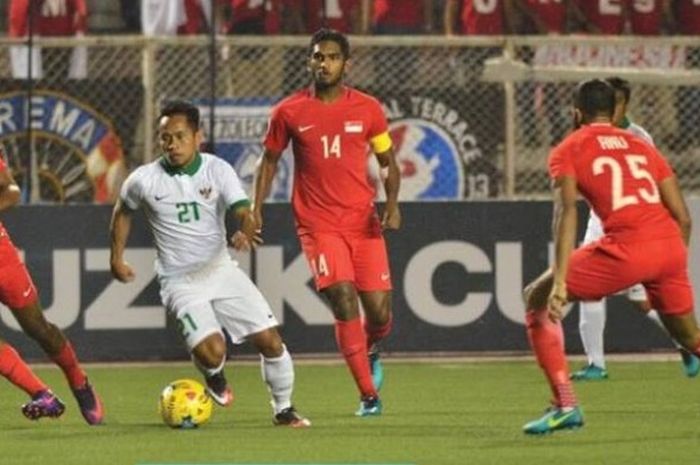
618	174
552	13
606	15
332	191
266	11
403	13
195	21
482	17
333	14
688	16
51	17
645	17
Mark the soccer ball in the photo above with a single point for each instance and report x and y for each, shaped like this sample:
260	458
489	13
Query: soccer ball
184	403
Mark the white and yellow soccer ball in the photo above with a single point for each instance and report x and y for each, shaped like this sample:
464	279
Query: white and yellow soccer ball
184	403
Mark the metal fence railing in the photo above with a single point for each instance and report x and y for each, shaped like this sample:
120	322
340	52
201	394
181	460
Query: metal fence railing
465	126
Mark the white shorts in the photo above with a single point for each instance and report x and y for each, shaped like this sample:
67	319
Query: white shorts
594	231
217	296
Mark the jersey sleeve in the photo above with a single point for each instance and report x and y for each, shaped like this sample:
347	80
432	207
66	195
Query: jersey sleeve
232	191
131	192
3	165
277	135
377	123
378	132
560	163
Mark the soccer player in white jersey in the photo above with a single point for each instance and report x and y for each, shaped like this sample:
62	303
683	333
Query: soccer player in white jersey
185	195
592	314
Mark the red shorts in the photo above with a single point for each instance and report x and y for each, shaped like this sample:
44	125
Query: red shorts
16	287
605	267
357	256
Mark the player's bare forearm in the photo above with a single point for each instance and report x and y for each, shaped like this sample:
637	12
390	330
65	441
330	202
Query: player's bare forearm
264	175
391	219
247	227
119	229
564	224
672	198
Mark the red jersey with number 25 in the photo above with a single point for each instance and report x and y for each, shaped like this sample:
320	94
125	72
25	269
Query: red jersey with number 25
617	173
332	191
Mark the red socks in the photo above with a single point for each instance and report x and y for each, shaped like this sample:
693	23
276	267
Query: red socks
377	333
351	340
547	341
68	362
17	372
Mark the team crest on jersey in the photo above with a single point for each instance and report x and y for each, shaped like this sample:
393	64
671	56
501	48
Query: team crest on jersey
353	127
205	192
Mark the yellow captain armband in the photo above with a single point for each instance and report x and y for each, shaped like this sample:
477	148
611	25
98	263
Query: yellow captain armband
381	143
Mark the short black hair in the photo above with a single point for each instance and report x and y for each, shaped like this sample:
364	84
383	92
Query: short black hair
595	97
181	107
325	34
620	85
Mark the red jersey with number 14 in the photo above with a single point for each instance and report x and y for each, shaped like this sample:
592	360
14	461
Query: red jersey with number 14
618	174
332	190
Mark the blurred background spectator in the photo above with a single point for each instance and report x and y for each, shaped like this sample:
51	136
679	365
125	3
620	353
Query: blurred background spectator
478	17
48	18
307	16
396	17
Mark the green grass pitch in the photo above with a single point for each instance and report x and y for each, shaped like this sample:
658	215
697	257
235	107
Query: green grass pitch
435	413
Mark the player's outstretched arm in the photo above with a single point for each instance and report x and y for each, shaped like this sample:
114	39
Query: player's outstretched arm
673	200
119	229
9	190
564	234
391	218
264	174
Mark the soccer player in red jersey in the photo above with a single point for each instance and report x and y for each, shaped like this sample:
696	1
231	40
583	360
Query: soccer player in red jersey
633	190
330	126
17	291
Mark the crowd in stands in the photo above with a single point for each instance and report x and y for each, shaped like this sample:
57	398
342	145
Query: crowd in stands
451	17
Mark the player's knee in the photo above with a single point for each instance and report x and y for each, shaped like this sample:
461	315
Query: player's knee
211	351
269	343
344	300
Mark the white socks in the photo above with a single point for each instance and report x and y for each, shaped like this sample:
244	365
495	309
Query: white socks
278	374
591	326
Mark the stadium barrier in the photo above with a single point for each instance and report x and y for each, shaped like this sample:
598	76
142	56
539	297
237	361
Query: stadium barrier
457	285
472	117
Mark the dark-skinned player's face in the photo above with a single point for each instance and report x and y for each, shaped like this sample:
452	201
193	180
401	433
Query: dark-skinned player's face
178	141
327	64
